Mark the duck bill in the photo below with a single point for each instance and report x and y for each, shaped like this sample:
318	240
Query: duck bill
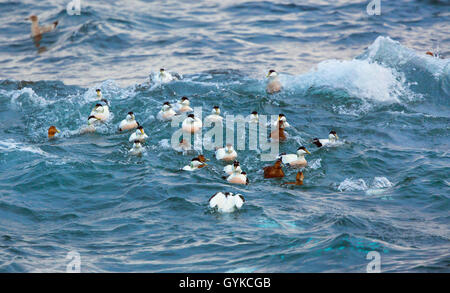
142	131
307	152
57	130
337	137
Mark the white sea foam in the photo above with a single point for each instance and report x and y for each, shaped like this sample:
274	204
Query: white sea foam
378	185
316	164
24	95
10	145
394	54
358	78
350	184
381	182
110	91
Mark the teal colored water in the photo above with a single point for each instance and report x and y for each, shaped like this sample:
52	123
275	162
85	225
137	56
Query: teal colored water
385	188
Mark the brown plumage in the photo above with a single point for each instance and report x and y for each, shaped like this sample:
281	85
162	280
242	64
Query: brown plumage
278	133
202	158
274	171
52	131
298	179
37	30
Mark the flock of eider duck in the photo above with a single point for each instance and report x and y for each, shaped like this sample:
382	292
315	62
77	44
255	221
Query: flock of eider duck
224	202
233	173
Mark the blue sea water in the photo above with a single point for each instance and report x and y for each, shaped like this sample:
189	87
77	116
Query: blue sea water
385	188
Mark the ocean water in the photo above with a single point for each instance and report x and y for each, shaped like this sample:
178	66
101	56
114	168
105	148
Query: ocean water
384	188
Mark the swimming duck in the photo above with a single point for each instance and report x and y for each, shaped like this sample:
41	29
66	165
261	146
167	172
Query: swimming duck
215	115
166	113
296	160
274	171
129	122
281	121
253	118
226	202
332	138
232	168
101	112
183	105
91	123
227	153
298	179
103	100
436	55
52	131
195	164
273	84
139	134
37	30
191	124
137	149
99	94
238	178
165	76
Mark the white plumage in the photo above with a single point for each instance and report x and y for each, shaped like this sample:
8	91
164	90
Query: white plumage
215	115
238	178
191	124
166	112
139	135
137	149
295	159
128	123
230	169
226	202
227	153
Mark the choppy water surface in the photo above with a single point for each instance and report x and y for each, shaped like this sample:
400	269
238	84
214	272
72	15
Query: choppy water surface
385	188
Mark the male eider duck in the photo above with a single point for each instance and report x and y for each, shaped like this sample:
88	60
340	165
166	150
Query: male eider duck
215	115
99	94
227	153
281	121
273	84
166	113
279	134
137	148
332	138
183	105
105	102
165	76
253	118
52	131
298	179
233	168
296	160
274	171
191	124
101	112
139	134
195	164
129	122
37	30
226	202
238	178
91	123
